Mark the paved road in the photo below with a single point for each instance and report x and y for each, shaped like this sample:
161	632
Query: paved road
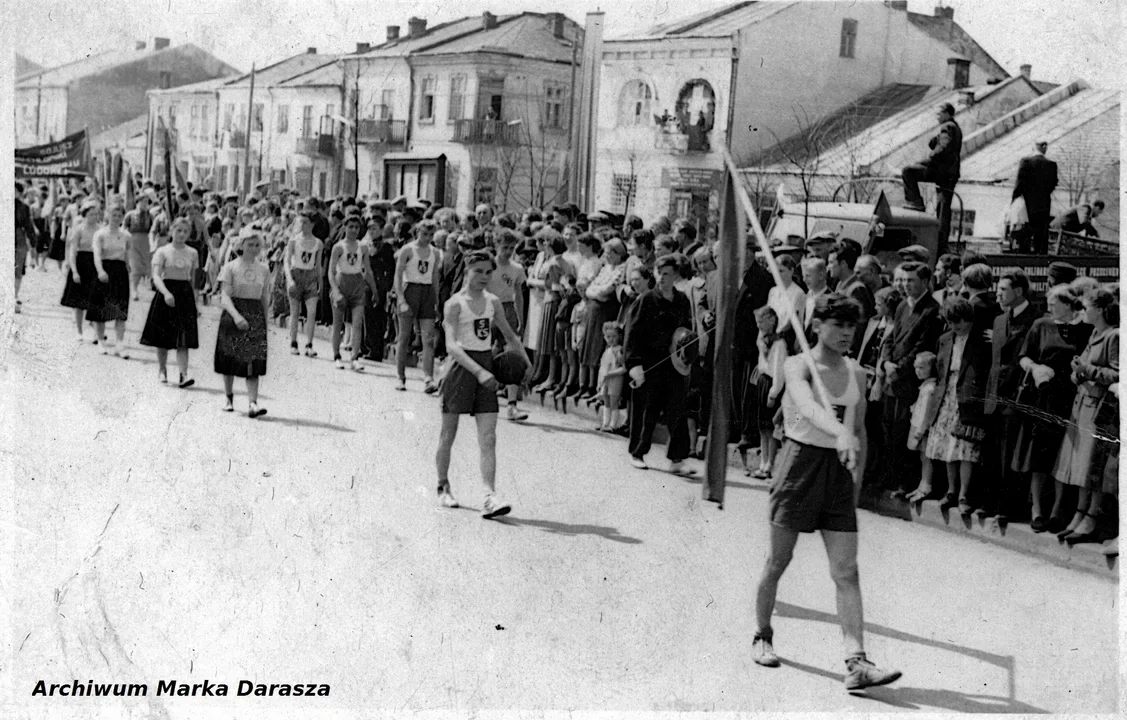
155	537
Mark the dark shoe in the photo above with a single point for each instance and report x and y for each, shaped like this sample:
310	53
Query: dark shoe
1038	525
949	501
1092	537
964	508
918	207
1055	525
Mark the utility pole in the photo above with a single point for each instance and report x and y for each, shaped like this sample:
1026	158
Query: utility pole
571	129
246	143
38	105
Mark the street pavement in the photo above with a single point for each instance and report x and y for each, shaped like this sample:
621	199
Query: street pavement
154	537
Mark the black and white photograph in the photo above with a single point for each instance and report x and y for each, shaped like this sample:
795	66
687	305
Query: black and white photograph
510	358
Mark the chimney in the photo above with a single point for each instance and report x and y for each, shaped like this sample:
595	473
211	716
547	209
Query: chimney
160	43
556	24
165	79
1027	70
310	51
958	73
901	5
488	20
416	27
363	47
139	45
945	12
392	32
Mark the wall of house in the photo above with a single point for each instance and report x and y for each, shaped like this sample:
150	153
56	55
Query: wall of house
51	104
916	58
195	150
110	98
375	76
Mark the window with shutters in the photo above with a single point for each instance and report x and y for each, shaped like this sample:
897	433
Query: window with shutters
307	121
553	106
194	122
457	98
205	129
228	116
387	97
283	119
848	37
635	108
426	99
624	189
256	122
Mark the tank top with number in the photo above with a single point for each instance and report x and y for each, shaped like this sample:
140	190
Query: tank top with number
420	270
798	427
349	261
474	331
303	255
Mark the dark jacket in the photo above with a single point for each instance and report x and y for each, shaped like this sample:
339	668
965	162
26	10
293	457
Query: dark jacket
971	381
986	308
1005	375
1036	180
914	330
757	283
946	152
650	323
859	291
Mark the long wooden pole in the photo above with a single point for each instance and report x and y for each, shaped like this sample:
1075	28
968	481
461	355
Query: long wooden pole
246	144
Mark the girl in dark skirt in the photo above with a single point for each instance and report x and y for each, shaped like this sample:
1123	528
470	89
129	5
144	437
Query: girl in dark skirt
240	347
553	271
109	295
58	250
81	273
769	383
171	324
602	306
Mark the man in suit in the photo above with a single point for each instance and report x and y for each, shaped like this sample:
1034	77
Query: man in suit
814	277
948	279
916	328
842	265
1036	180
1003	491
942	167
1078	219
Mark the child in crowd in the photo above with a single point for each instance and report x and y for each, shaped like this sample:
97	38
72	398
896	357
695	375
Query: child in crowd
565	335
923	414
769	382
611	372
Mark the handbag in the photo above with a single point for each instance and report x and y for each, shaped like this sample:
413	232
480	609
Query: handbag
970	433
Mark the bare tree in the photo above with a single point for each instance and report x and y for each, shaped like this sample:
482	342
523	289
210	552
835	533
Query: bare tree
1077	171
803	151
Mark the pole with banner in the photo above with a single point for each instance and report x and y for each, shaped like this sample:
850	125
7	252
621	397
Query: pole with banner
246	143
168	170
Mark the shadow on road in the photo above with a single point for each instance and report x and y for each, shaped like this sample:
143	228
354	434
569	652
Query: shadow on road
296	422
559	528
913	698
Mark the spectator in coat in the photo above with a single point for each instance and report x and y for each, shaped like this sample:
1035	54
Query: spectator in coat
1036	180
1078	219
915	329
842	264
942	167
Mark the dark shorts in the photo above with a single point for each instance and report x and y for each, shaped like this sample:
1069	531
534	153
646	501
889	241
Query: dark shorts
21	259
304	285
351	289
462	394
811	490
510	315
421	299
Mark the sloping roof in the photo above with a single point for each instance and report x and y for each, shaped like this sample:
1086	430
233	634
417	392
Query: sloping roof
119	134
716	22
525	35
999	157
203	86
283	70
443	32
950	33
1043	86
25	66
328	74
64	75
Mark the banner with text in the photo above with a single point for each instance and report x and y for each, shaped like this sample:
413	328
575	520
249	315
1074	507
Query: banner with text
69	157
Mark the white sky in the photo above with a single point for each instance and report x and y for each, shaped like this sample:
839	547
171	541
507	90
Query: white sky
1062	40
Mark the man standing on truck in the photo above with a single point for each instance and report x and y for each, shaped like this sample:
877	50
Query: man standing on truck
1036	180
942	167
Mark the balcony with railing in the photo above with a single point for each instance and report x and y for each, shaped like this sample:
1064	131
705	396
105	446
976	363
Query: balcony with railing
486	132
381	132
237	139
315	146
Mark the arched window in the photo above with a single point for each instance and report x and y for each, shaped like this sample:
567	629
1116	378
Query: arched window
635	105
696	112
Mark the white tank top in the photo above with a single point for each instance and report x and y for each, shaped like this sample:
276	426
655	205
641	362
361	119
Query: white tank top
303	255
419	270
349	261
798	427
474	332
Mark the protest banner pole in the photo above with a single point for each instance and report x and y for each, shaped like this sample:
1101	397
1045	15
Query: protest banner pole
246	143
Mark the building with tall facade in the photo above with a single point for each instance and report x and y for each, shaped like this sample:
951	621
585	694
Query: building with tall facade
105	90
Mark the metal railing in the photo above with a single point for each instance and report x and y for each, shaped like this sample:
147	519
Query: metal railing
377	132
316	145
486	132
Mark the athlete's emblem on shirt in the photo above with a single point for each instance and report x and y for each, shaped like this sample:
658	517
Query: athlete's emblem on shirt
481	328
181	263
424	265
306	257
508	280
351	258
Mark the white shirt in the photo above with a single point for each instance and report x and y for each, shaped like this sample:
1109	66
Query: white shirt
811	300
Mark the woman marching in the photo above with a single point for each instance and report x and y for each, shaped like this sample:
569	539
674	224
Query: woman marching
109	295
240	347
171	324
80	263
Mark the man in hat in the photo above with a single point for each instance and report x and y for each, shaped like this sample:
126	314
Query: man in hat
915	253
660	390
1036	180
820	245
941	166
686	236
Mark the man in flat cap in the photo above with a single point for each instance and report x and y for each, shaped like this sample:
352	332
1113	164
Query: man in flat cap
915	253
1036	180
942	167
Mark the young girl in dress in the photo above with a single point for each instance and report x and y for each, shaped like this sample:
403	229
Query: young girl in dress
171	324
923	415
109	293
240	346
769	382
612	370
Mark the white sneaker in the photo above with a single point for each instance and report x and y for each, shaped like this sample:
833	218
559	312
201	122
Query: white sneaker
401	385
679	468
356	366
639	463
492	507
339	363
446	498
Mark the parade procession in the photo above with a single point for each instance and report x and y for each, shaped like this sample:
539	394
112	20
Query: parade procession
705	284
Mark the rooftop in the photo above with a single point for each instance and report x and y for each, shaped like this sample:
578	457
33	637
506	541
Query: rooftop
440	33
204	86
716	23
283	70
64	75
329	74
523	35
947	31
